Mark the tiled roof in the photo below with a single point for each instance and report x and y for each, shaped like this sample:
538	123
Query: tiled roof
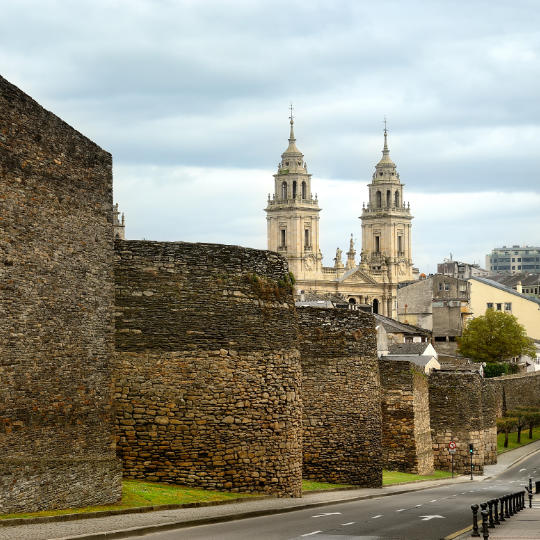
393	326
408	348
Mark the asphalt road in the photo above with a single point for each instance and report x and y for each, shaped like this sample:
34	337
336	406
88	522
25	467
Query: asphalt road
430	514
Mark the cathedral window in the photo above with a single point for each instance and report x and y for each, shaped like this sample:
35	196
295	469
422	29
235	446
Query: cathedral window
304	190
379	199
396	199
282	238
388	198
307	243
377	244
294	189
284	190
400	244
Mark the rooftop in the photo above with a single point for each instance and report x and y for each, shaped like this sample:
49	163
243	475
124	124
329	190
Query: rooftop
501	287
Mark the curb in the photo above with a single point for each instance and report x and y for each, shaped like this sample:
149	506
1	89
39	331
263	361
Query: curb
458	534
147	529
516	462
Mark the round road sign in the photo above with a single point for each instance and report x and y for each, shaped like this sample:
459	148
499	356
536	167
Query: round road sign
452	445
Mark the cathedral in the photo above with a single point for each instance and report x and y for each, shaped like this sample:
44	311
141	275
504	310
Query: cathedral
385	259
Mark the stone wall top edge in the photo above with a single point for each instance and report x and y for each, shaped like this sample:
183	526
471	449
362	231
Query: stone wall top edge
516	376
9	91
135	245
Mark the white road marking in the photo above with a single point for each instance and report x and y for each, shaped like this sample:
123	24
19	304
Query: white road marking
418	505
401	510
434	500
521	470
311	533
427	518
328	514
377	516
350	523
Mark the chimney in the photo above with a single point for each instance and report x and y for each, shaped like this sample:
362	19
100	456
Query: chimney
519	288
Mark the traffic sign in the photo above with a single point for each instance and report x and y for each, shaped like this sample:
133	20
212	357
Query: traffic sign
452	445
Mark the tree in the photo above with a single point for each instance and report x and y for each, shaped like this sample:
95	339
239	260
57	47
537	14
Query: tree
494	337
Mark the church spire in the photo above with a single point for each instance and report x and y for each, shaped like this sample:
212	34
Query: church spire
291	118
292	149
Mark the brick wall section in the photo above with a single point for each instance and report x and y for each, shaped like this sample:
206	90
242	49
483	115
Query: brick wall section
208	372
406	432
340	397
456	414
56	299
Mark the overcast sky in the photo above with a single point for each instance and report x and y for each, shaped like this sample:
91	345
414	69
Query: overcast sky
191	98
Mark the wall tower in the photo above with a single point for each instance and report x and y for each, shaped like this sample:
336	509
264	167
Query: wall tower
292	214
386	223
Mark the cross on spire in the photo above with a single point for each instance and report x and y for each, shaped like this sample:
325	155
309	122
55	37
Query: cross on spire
385	124
291	117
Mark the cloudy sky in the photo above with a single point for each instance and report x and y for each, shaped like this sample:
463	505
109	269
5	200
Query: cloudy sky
191	97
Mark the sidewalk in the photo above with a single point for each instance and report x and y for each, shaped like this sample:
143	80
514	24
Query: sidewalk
125	525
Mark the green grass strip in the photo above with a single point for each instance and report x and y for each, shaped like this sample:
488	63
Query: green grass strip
396	477
137	493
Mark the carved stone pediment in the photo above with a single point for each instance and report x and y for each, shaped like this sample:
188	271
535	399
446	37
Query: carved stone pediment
356	275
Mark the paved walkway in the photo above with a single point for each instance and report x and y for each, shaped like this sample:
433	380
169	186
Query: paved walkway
125	525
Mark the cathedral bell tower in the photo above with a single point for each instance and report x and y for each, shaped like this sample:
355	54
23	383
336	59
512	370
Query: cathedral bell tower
386	224
292	214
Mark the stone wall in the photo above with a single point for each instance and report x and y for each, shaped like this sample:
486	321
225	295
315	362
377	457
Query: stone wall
406	432
340	396
457	414
490	404
521	390
56	304
208	371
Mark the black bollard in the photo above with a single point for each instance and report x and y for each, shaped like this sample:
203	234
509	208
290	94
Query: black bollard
530	483
538	486
491	522
511	505
496	512
506	512
485	530
530	498
474	509
501	514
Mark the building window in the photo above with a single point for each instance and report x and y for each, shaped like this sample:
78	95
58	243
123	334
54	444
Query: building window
284	190
294	189
400	244
388	198
396	199
490	305
307	243
440	286
304	190
446	286
282	238
499	307
379	199
377	244
508	306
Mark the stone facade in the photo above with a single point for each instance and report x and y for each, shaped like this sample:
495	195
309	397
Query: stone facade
457	414
208	371
340	397
522	390
56	306
490	404
406	431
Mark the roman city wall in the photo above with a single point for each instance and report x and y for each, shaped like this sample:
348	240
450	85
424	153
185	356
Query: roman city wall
457	414
406	430
522	390
56	306
207	367
341	396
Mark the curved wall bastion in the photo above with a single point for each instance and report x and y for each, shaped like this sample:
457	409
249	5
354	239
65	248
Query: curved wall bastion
207	371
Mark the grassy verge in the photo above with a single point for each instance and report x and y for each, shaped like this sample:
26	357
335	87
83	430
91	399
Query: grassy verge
312	485
136	494
396	477
512	440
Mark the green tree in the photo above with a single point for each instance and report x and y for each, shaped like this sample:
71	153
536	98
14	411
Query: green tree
494	337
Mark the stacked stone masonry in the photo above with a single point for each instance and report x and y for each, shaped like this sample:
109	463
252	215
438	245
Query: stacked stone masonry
56	306
521	390
457	414
207	367
406	431
340	397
